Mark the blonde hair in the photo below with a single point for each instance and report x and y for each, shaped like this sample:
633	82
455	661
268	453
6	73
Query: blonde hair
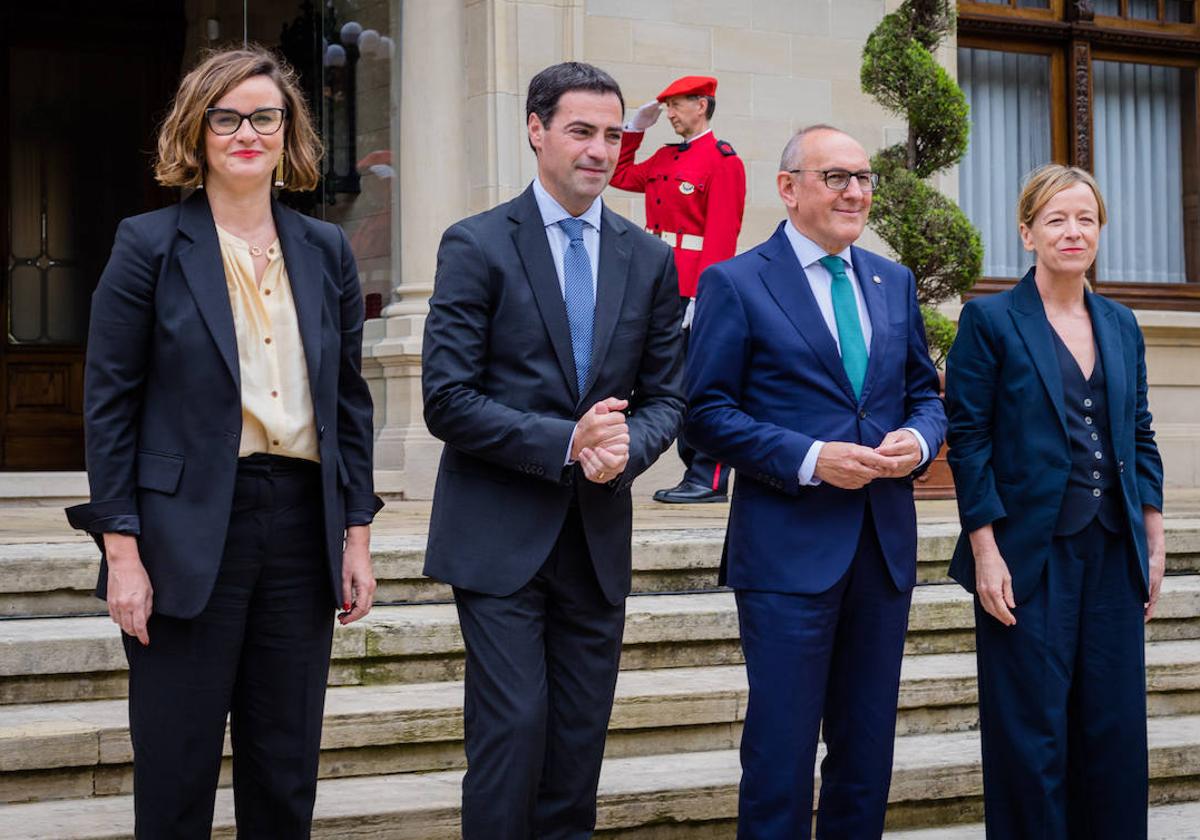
1047	181
180	160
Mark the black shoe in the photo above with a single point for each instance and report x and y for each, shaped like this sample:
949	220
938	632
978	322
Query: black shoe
689	493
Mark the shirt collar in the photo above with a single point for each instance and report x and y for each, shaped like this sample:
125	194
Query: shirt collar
809	252
553	212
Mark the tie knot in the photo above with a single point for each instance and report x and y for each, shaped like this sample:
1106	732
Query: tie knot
573	228
834	265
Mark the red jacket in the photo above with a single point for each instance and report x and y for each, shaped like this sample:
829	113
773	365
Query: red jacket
695	189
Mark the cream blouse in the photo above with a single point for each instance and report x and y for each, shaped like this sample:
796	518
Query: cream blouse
277	412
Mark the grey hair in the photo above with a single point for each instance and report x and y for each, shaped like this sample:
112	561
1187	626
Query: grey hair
792	157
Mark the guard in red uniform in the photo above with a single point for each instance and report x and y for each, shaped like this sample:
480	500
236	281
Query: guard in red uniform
695	195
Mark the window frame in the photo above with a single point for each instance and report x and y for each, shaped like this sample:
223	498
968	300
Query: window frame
1075	37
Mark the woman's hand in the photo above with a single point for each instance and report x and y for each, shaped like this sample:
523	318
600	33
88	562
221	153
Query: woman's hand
130	595
1157	544
358	578
993	583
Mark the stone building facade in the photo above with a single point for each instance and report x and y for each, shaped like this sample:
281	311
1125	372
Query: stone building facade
781	64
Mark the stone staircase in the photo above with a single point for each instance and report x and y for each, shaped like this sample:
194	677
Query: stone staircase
392	750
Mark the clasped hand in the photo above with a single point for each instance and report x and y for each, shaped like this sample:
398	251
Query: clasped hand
601	442
851	466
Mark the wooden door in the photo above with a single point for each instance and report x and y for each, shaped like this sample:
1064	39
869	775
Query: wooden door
80	94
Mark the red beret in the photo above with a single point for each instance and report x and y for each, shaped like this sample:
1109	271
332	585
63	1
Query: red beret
690	86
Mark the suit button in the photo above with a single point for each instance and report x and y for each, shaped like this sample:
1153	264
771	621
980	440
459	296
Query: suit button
321	432
863	415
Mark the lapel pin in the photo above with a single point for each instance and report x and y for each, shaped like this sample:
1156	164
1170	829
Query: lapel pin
875	279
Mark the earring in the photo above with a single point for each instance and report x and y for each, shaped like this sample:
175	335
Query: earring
279	171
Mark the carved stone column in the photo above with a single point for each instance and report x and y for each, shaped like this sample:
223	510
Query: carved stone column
431	194
1081	104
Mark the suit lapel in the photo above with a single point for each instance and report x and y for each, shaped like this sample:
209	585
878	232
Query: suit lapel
204	272
610	291
303	261
1108	340
788	285
529	236
1030	319
876	300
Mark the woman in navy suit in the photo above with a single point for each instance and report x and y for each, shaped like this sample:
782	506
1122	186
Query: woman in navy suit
1059	487
229	456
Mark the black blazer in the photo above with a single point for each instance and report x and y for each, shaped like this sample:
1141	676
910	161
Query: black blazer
500	390
162	396
1009	450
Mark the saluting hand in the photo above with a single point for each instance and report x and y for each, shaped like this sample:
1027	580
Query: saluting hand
645	116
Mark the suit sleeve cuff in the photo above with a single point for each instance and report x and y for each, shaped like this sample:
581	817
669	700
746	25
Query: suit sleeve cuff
809	465
112	516
570	445
921	442
361	508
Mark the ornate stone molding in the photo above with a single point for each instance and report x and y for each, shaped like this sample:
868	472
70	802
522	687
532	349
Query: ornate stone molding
1013	27
1080	10
993	26
1081	104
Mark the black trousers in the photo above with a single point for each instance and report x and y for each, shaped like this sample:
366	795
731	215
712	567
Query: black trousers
700	468
825	664
259	652
1062	700
541	670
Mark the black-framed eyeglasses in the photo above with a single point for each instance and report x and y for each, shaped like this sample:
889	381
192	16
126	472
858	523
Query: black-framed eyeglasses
839	179
224	121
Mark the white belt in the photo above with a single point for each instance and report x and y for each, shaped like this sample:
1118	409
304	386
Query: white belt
686	241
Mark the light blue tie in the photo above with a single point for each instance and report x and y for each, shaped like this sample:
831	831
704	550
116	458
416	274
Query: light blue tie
579	297
845	314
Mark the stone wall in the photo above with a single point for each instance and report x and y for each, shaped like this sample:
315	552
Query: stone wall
780	64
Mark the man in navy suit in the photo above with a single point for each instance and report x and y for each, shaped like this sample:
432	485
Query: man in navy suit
552	369
809	375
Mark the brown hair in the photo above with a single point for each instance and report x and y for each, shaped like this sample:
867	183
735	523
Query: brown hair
180	161
1047	181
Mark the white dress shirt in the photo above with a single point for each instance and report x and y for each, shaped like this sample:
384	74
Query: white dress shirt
809	254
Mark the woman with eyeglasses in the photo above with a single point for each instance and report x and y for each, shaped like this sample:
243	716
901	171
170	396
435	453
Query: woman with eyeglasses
229	439
1059	486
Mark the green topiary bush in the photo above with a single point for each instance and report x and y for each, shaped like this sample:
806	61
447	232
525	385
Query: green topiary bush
928	232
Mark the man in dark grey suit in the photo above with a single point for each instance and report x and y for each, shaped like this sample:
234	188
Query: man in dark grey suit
552	370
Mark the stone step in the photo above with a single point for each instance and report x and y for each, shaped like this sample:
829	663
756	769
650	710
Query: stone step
64	750
82	658
936	781
1177	821
57	578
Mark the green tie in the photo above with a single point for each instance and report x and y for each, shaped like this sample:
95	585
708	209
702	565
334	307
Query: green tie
845	313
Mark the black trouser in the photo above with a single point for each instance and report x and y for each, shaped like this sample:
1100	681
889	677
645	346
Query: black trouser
541	670
700	468
1062	699
260	649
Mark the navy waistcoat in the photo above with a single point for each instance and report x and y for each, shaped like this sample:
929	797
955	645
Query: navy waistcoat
1092	487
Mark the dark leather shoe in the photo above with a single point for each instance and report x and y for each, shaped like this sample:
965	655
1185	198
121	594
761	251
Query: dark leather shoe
687	493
